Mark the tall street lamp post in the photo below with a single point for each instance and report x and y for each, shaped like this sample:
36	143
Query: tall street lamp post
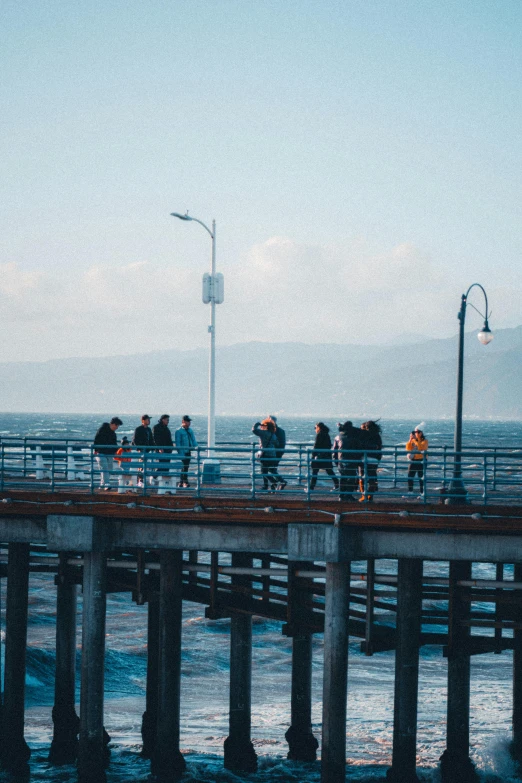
457	489
213	294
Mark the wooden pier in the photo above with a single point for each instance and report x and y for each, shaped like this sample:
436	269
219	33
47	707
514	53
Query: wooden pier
280	557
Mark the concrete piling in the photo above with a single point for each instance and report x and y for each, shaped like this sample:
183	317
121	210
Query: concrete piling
333	752
239	754
64	747
409	605
149	721
168	763
516	745
301	741
92	752
15	750
456	765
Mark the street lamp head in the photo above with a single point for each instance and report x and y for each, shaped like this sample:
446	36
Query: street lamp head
486	335
181	217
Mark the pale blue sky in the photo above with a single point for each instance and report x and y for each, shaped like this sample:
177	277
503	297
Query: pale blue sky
327	139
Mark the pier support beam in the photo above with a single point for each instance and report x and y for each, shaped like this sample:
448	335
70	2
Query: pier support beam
455	763
301	741
239	753
409	604
167	762
92	752
333	751
149	720
516	745
64	747
15	750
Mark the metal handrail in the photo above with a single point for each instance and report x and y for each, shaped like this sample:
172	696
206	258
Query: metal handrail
489	475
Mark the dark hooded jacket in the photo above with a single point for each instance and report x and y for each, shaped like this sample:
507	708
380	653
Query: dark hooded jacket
348	446
162	436
372	443
322	459
105	440
143	436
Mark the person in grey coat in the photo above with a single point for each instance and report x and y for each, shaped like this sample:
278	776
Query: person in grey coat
185	441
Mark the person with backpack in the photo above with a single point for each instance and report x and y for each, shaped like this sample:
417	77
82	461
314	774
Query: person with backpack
268	445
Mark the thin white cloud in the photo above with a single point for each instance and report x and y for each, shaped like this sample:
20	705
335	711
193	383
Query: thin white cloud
281	290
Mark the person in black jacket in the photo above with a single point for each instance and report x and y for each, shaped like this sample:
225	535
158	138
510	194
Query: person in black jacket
322	455
372	442
281	440
163	440
347	454
143	437
105	447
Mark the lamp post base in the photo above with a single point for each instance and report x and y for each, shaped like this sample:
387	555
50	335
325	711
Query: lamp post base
457	493
211	473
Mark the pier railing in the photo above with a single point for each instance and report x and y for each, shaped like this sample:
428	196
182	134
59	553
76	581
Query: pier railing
490	475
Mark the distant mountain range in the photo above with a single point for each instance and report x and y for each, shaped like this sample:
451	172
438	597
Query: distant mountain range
412	380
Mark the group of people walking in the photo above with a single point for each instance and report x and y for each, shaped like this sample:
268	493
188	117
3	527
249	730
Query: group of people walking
355	453
157	439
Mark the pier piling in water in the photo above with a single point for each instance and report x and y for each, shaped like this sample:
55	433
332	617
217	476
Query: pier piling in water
168	763
409	604
92	751
64	747
301	741
516	745
333	752
455	763
149	722
15	750
239	753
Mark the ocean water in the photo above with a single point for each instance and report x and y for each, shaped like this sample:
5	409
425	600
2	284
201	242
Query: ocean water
204	701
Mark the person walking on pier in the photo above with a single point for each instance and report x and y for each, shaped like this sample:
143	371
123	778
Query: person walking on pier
417	448
347	454
322	455
163	441
265	431
185	442
372	442
105	447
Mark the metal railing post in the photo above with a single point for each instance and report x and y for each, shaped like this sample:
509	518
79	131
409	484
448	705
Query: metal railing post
53	465
25	457
253	470
485	479
365	476
445	467
198	473
425	482
308	464
92	469
300	480
2	466
494	487
395	460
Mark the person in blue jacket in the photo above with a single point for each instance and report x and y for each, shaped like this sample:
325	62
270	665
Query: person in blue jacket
185	442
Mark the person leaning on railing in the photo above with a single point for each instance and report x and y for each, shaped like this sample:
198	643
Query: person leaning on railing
417	448
105	447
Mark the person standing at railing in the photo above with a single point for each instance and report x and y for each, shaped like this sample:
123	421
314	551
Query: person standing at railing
281	440
143	437
163	440
105	447
185	442
347	454
417	448
372	442
322	455
268	443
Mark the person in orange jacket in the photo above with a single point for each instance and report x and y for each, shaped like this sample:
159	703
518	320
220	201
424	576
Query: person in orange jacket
417	448
124	449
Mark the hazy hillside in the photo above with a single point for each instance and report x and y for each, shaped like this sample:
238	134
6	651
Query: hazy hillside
396	380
